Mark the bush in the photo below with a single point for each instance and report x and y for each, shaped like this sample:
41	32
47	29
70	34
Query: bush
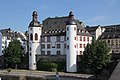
51	65
46	65
61	65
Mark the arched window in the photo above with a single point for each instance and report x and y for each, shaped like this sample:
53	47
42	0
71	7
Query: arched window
31	36
36	36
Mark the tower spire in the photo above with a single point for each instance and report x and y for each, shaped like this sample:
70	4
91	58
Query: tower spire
71	15
35	16
71	20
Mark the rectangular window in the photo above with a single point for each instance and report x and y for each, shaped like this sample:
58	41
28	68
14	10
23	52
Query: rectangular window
48	52
64	45
43	39
67	47
30	48
83	38
80	38
30	54
58	38
84	45
58	52
80	45
43	46
74	28
48	46
67	28
67	38
58	46
48	39
75	46
87	38
80	52
43	53
75	38
116	41
112	42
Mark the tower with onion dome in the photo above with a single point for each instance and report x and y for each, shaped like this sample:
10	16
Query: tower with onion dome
34	31
71	32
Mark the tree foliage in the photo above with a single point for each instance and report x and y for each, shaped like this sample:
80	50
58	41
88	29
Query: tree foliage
46	65
12	54
96	57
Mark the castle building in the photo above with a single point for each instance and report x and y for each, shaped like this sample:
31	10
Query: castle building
57	36
109	33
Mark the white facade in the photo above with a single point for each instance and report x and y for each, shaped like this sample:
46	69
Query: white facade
0	44
71	50
71	43
53	46
5	42
99	32
34	32
8	35
34	46
82	42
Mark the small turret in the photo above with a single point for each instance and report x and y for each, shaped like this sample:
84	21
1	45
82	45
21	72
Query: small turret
35	16
71	29
71	20
34	22
34	31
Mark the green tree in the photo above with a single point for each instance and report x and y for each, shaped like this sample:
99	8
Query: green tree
46	65
96	57
12	54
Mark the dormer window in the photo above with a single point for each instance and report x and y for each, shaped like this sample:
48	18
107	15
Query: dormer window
55	31
81	31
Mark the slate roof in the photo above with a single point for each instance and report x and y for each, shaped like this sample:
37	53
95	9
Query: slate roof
11	34
57	26
34	24
91	29
111	32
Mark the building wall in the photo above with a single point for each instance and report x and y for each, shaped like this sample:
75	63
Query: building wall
71	31
82	42
56	45
99	32
34	45
113	44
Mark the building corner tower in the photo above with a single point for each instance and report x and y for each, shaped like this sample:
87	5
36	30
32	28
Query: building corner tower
34	32
71	30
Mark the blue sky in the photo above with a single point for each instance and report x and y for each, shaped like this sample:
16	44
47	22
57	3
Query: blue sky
17	14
